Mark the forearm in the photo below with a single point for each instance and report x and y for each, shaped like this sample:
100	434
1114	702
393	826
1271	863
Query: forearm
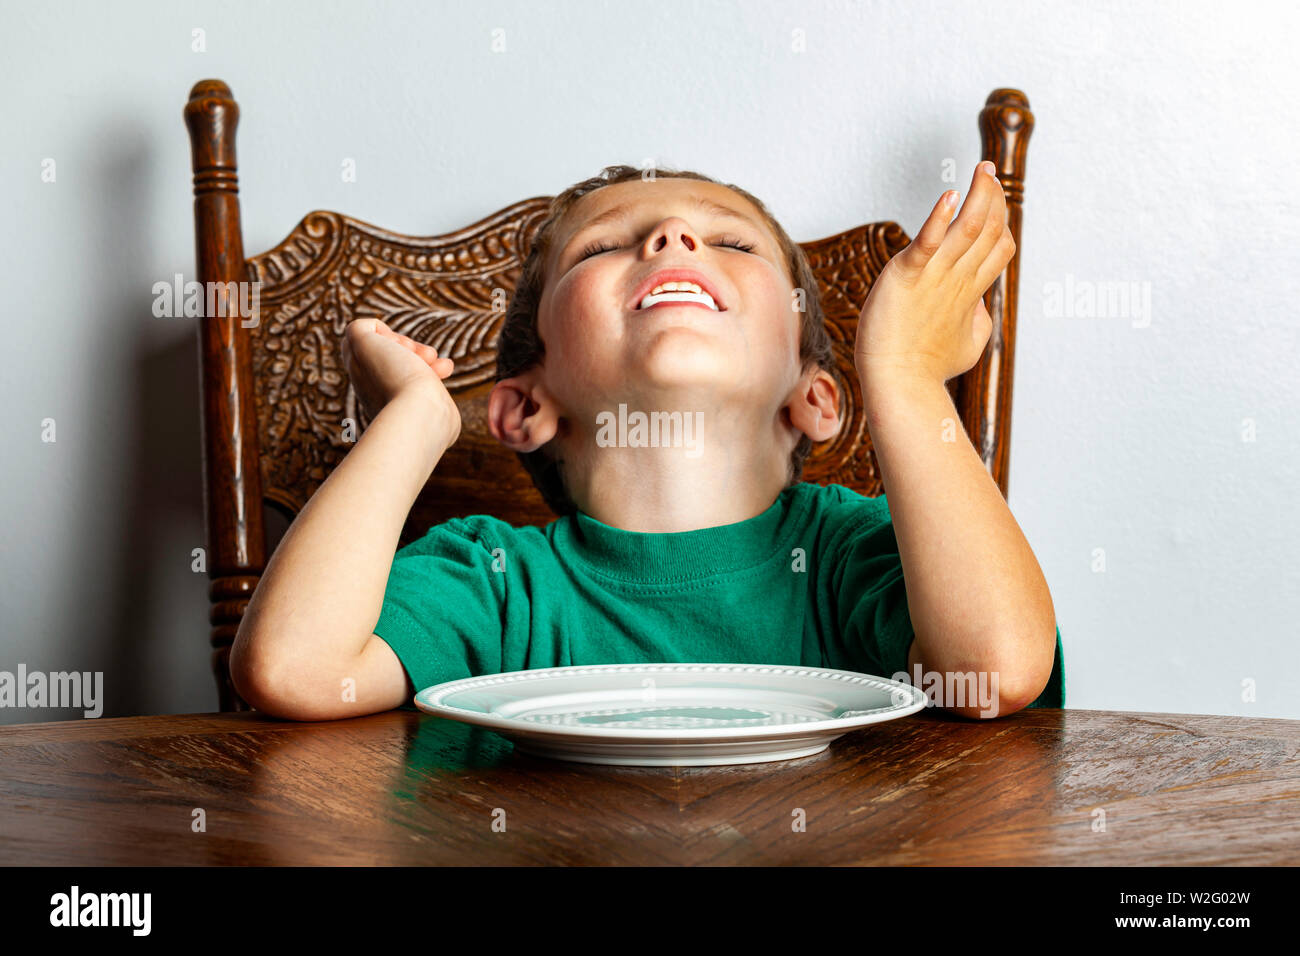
976	595
323	588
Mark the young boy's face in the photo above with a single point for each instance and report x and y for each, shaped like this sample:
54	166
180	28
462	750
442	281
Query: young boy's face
602	349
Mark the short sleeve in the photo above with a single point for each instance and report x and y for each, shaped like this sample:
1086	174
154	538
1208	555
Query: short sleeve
873	631
442	609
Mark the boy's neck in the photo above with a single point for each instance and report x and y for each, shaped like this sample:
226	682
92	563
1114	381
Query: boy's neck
698	477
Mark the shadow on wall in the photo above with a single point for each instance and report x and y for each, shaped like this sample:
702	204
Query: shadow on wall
157	666
160	654
143	618
142	496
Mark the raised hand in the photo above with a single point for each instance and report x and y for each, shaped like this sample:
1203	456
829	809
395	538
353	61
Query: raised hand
383	364
925	314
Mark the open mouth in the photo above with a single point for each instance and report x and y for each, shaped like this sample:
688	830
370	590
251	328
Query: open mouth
677	286
678	293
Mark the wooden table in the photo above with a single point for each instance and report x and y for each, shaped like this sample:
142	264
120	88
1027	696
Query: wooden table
406	788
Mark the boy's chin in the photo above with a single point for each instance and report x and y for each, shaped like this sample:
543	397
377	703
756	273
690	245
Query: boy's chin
685	368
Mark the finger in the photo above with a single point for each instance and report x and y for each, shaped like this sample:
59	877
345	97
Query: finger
354	331
995	263
930	236
970	222
360	325
425	352
406	342
995	226
443	366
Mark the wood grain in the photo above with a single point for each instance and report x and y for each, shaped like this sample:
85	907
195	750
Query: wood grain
406	788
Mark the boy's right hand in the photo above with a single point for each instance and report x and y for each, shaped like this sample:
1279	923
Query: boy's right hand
382	364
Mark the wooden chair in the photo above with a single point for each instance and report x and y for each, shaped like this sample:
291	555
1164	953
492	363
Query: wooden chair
276	399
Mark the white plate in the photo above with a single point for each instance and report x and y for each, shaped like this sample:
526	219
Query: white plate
681	715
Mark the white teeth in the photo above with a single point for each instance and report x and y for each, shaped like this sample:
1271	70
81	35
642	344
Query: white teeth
703	298
678	292
676	286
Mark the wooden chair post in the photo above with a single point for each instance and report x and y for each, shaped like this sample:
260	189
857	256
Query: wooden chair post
983	394
236	542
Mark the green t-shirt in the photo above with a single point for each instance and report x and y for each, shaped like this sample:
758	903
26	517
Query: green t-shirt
815	580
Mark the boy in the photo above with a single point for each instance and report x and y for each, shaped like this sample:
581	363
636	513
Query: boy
682	299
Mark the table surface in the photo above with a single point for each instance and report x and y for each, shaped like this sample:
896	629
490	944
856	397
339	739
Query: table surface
1073	787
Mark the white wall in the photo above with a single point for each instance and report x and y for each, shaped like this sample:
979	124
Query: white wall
1163	155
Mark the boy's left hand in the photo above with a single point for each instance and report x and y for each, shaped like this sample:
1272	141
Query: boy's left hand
925	313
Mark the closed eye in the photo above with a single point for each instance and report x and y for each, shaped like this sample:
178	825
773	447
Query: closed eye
599	246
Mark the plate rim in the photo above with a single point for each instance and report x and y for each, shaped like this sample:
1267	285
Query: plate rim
513	726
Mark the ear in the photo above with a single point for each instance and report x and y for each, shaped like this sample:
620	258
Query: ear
521	414
813	407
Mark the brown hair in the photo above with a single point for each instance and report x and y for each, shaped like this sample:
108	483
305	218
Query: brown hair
520	347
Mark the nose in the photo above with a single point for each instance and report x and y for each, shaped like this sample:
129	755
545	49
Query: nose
673	232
